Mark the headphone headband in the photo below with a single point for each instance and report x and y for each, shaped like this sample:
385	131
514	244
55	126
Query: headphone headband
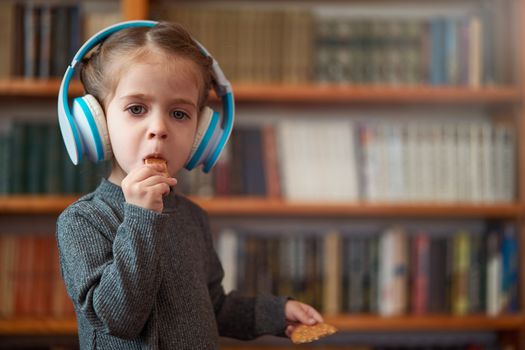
69	129
100	36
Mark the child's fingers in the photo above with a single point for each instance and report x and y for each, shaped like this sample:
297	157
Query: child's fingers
311	316
155	179
303	316
157	168
314	314
289	330
160	189
143	172
160	167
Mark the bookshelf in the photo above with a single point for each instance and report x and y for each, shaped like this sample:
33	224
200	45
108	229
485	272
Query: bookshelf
307	93
509	96
246	206
342	322
31	327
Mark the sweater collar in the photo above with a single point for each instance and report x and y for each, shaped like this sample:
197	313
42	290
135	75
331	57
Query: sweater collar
113	193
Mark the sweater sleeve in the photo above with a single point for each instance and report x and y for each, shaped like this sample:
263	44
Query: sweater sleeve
113	284
239	316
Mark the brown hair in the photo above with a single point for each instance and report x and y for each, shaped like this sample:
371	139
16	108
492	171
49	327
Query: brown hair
135	42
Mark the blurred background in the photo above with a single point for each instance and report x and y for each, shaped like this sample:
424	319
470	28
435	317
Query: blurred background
374	170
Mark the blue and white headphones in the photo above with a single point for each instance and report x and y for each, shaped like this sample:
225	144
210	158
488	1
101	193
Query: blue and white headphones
84	128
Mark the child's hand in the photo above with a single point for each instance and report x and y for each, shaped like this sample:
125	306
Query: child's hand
299	313
145	186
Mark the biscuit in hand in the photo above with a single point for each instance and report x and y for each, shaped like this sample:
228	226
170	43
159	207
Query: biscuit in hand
148	161
306	334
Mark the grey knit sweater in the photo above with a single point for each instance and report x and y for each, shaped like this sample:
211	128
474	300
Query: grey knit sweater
144	280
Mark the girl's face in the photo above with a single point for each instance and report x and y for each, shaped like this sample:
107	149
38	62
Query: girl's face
153	113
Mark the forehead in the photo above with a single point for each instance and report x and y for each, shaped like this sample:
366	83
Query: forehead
141	71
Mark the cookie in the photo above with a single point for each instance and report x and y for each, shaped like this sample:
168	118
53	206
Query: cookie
158	161
305	334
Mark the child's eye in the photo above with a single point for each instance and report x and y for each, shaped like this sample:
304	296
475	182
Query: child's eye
136	109
179	115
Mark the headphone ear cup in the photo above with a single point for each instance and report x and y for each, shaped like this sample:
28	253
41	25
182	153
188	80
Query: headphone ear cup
208	121
91	121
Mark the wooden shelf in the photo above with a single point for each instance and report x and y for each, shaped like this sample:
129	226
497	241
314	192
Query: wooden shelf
426	323
374	94
29	204
276	207
28	326
20	87
309	93
342	322
249	206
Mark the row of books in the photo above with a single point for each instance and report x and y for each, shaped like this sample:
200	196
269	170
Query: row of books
445	162
391	272
361	51
252	44
376	162
292	44
40	38
34	160
306	160
30	278
280	44
384	161
440	51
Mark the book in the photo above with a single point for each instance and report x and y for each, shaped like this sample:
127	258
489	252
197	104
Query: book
510	268
420	261
19	155
438	277
476	273
356	258
494	273
60	26
5	158
44	55
36	166
253	161
393	272
332	273
7	272
8	37
98	15
54	156
475	62
23	277
461	266
271	162
31	40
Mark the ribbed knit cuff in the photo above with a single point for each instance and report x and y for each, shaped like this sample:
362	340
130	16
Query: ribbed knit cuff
145	221
269	315
132	209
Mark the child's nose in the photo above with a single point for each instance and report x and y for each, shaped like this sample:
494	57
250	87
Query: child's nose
158	129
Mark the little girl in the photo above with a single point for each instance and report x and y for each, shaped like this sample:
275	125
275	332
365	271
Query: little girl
137	259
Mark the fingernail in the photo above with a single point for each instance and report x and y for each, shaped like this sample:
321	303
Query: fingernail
312	320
